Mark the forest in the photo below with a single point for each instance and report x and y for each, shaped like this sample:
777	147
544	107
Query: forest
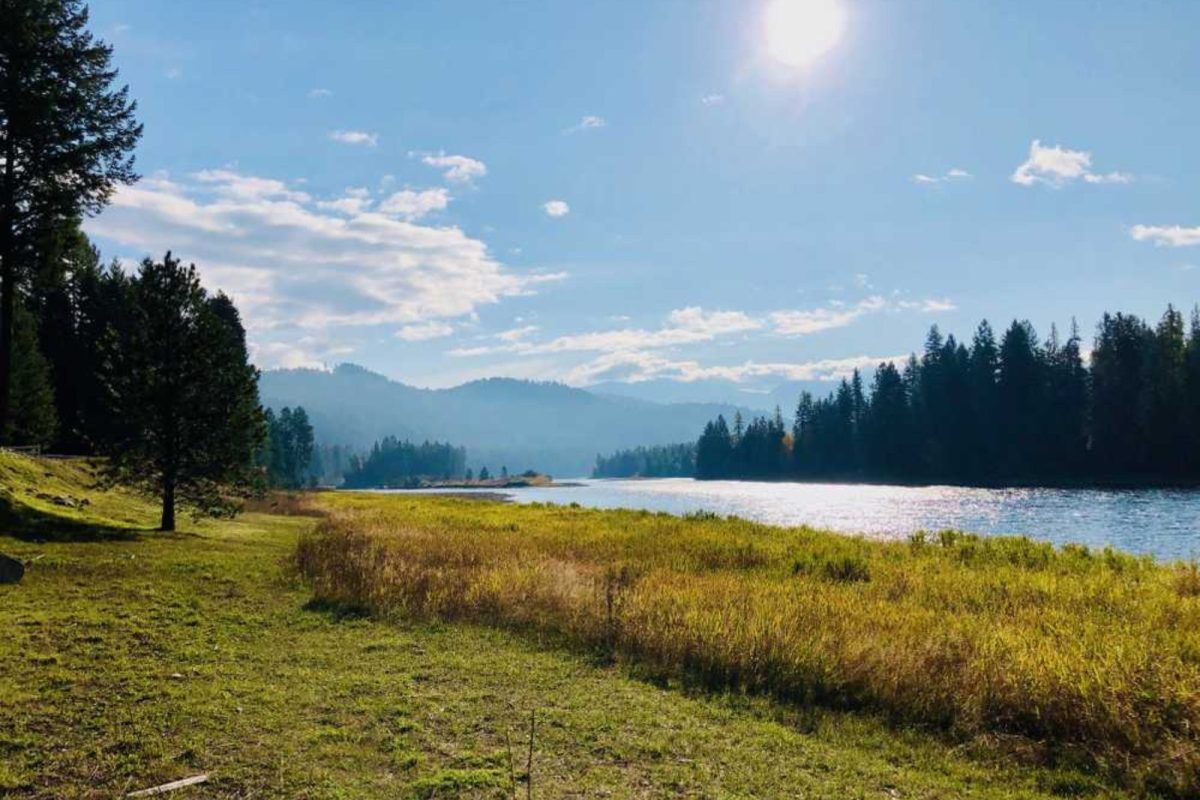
656	461
393	463
1013	411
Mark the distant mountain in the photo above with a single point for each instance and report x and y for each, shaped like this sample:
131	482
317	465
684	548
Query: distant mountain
502	422
761	399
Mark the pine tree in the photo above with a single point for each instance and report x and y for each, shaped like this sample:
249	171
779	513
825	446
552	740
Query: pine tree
1163	404
32	421
983	367
1191	430
1118	369
1066	405
1020	391
66	140
183	393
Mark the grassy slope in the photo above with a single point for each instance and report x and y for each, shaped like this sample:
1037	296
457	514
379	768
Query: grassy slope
131	658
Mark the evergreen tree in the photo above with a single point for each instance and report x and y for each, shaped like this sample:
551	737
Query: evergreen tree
32	421
1066	405
1020	392
889	439
1191	430
63	295
983	367
1164	399
182	393
288	455
66	140
803	429
1118	368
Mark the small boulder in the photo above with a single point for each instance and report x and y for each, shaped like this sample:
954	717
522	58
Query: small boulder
11	570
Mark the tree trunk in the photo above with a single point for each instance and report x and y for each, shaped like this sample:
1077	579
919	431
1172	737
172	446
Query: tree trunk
168	506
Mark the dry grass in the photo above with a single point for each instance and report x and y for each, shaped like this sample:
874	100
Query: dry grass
1082	658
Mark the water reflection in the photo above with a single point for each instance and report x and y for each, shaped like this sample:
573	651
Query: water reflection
1163	523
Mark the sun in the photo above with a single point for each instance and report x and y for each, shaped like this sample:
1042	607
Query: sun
801	31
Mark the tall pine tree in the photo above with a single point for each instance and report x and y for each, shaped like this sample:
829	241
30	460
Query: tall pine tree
66	138
182	393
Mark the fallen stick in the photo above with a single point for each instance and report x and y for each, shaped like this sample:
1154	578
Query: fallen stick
169	787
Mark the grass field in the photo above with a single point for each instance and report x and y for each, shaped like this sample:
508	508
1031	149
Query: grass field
1069	657
130	658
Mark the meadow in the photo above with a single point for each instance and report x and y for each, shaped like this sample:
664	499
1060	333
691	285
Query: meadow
1070	657
131	658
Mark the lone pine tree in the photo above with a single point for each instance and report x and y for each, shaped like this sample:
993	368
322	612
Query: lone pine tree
183	397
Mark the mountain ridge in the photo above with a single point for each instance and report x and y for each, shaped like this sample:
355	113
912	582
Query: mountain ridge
518	423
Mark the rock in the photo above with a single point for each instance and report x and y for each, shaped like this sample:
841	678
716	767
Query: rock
11	570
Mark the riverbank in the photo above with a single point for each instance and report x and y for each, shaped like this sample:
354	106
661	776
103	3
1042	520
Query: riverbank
132	658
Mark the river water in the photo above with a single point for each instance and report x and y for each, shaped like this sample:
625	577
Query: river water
1161	522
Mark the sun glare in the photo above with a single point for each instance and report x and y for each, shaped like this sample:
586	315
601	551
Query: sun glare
801	31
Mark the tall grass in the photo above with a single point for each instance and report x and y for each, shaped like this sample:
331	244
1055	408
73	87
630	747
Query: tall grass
1082	657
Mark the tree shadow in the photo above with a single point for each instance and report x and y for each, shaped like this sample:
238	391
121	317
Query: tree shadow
33	525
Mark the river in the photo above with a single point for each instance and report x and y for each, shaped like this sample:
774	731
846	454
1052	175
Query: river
1164	523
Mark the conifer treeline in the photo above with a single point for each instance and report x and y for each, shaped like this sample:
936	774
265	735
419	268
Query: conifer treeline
394	463
657	461
1017	410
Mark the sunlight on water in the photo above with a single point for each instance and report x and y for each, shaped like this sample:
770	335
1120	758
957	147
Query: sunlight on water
1163	523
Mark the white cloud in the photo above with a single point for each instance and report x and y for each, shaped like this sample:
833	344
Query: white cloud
355	137
932	305
517	334
588	123
556	208
683	326
636	367
319	93
688	326
949	176
173	73
235	186
425	331
305	352
355	201
711	324
1167	235
1057	166
409	204
712	99
638	354
802	323
457	169
296	264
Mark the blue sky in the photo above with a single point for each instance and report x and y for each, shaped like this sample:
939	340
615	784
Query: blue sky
635	191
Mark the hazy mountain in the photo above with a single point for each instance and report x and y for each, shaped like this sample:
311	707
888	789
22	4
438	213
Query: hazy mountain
762	399
514	423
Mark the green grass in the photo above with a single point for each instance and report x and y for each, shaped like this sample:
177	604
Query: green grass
130	658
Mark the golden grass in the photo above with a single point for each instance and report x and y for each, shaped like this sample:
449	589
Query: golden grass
1080	657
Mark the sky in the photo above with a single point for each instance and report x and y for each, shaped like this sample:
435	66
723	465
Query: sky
641	190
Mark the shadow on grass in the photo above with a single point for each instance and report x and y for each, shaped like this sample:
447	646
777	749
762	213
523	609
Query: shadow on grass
31	524
337	611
